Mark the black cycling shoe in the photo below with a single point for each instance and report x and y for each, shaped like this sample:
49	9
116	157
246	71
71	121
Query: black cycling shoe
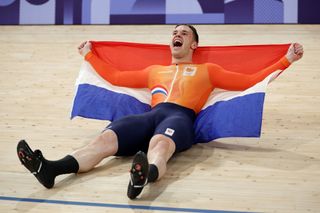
33	161
138	175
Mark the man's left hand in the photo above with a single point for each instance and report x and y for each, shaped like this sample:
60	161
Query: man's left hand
295	52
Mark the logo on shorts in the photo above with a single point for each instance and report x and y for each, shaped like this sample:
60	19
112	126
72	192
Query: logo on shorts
169	132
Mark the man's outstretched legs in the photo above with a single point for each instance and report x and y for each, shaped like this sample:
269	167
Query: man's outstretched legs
103	146
81	160
146	169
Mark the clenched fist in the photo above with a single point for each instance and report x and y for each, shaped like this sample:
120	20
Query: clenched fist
295	52
84	48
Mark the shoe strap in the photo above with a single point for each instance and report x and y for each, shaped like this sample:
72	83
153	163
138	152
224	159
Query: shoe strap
38	170
38	155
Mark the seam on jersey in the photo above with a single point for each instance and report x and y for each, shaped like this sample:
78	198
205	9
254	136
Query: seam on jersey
174	79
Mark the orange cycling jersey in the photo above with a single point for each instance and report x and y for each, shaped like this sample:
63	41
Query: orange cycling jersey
188	85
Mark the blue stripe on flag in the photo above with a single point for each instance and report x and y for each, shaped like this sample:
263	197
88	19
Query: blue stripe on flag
238	117
99	103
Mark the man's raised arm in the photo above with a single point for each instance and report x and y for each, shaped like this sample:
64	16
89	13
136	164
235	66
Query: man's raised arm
225	79
135	79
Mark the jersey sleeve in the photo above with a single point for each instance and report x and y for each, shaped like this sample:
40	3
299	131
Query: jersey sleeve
134	79
228	80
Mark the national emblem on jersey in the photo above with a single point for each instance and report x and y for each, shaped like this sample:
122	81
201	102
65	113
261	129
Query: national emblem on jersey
189	71
159	89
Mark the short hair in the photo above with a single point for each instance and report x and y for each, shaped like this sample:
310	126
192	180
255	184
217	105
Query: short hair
194	31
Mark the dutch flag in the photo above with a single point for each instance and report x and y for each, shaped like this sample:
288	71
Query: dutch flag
226	113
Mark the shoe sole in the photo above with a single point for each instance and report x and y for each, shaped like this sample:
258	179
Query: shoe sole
138	175
25	154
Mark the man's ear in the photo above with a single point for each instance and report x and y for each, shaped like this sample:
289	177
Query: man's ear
194	45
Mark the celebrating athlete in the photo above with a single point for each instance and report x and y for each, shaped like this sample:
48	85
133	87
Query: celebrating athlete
179	91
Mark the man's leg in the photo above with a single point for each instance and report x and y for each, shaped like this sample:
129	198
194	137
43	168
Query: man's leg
103	146
161	148
81	160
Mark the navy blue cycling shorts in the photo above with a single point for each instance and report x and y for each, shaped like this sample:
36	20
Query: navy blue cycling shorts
135	131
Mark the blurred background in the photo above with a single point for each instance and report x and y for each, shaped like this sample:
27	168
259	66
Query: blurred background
59	12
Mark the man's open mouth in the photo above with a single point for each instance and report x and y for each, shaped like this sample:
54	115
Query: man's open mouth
177	43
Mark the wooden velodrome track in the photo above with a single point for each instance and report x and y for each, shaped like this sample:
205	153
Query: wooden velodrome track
279	172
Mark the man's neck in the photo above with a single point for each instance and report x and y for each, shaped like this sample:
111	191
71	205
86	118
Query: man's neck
185	60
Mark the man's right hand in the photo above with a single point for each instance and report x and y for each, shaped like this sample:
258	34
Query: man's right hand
84	48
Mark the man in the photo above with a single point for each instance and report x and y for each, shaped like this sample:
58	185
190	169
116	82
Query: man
179	91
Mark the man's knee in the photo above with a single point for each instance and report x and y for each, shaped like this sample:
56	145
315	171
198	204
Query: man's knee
108	135
162	143
106	141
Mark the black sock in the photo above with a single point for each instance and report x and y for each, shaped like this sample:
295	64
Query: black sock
51	169
153	173
66	165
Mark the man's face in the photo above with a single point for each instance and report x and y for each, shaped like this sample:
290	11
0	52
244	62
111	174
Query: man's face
182	41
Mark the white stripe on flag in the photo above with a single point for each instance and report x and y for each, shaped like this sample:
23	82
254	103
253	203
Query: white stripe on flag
88	75
225	95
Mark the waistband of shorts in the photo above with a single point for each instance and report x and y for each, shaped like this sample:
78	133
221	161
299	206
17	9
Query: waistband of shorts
175	107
